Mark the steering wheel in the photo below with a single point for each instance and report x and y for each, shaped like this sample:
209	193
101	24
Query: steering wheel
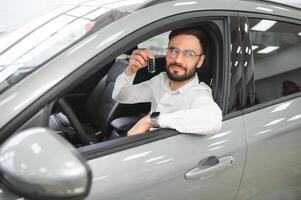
74	121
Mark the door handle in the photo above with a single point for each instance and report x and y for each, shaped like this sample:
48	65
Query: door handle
209	167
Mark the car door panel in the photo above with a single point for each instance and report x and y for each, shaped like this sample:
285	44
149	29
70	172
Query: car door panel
274	152
160	167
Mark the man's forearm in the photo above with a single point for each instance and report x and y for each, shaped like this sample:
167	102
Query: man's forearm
197	121
125	92
121	83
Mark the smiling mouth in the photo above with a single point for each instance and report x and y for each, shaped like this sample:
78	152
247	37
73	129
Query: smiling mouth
176	68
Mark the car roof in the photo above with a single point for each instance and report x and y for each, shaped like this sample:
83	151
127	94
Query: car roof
273	7
270	7
269	2
132	5
286	3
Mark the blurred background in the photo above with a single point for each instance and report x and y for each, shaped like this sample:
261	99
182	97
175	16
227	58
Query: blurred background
15	13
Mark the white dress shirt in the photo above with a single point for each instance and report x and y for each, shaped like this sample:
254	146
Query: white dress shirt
189	109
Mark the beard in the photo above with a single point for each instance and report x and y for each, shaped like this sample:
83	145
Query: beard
180	78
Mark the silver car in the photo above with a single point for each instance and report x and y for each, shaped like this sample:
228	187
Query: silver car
63	137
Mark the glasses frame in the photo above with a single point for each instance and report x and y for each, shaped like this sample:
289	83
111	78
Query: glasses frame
184	54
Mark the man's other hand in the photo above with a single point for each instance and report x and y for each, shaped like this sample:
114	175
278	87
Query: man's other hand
142	126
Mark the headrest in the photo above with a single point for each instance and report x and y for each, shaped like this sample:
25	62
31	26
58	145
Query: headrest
205	72
117	68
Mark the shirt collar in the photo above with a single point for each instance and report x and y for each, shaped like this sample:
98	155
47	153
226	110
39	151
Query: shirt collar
184	88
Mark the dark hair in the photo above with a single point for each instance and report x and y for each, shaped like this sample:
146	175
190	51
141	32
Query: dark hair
198	33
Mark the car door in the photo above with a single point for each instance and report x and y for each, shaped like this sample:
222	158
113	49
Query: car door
168	165
273	122
160	169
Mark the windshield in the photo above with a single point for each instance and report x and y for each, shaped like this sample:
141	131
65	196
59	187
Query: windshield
26	49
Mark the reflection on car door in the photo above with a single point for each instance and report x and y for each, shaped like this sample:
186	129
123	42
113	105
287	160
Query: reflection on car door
157	170
274	153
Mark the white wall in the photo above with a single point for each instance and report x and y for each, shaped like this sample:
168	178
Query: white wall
286	60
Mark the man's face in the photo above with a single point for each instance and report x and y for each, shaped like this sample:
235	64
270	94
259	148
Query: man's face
179	65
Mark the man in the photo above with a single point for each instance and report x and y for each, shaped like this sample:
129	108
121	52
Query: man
178	100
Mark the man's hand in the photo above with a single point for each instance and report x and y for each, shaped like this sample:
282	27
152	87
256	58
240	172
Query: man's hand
142	126
138	60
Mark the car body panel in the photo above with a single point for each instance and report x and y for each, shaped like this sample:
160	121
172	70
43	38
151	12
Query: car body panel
273	164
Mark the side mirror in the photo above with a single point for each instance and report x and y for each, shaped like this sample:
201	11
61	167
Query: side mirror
39	164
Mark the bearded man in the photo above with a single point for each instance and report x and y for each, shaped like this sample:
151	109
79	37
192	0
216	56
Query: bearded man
178	100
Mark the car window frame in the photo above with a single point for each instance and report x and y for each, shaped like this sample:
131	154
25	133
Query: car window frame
91	67
102	149
235	36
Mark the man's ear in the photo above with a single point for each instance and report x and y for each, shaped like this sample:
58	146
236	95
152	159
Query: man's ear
201	60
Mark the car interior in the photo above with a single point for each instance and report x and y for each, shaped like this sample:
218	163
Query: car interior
88	114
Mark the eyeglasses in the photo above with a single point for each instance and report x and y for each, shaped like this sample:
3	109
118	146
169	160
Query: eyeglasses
173	52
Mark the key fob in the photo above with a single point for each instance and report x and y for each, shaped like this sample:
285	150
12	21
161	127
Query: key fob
151	65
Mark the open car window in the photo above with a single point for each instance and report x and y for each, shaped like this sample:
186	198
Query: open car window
99	116
157	44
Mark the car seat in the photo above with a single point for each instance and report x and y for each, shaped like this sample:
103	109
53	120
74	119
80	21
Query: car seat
101	109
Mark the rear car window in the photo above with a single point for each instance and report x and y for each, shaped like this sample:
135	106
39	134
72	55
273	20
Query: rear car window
277	58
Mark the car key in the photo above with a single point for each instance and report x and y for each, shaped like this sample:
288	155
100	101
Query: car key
151	65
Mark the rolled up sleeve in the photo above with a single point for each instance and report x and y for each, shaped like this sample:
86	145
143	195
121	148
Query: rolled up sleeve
125	92
203	117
